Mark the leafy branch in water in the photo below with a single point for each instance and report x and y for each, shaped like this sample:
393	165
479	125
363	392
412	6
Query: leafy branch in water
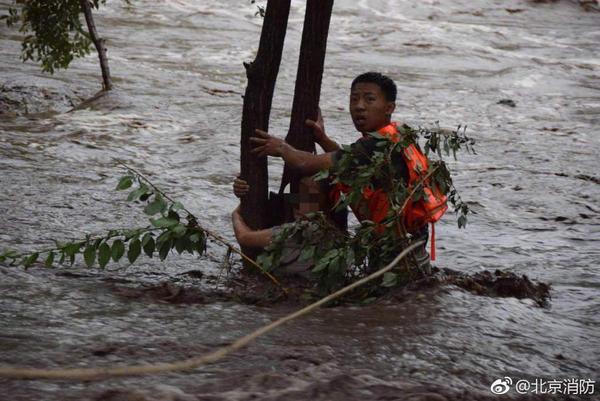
450	141
172	227
338	257
367	166
166	232
437	139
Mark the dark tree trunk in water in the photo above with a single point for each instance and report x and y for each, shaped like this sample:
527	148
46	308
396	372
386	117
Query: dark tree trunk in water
308	81
262	74
98	42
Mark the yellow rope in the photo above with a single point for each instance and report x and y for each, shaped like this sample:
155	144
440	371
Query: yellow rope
137	370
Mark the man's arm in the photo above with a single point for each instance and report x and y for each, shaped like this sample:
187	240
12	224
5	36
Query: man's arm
318	127
305	162
247	237
328	144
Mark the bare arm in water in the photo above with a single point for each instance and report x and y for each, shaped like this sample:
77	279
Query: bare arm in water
247	237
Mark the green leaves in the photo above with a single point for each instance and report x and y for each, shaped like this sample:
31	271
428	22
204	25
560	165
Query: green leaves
438	139
71	250
326	260
177	206
197	242
164	249
159	205
164	222
139	193
104	255
181	244
389	279
195	237
30	260
265	260
178	230
462	221
57	33
125	182
135	248
148	245
307	253
89	255
166	232
117	250
49	259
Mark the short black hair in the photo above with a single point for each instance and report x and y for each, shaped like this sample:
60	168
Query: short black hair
384	82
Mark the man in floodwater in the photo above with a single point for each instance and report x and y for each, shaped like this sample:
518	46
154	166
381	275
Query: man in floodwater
372	102
311	199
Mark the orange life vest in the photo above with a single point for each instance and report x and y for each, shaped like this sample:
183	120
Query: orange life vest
428	209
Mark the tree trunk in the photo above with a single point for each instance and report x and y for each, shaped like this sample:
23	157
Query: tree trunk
98	42
308	81
262	74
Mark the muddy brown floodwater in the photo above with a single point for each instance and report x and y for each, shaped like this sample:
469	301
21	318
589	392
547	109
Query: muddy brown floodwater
524	76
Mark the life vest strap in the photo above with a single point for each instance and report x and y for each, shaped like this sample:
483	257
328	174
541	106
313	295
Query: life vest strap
432	241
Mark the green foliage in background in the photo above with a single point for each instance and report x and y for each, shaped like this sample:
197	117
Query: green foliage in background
54	32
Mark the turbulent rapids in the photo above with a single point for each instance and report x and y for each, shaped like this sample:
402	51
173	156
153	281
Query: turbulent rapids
523	75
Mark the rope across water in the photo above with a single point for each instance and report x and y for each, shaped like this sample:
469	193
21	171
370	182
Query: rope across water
138	370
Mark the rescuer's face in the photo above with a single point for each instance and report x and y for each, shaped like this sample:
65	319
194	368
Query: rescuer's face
369	108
